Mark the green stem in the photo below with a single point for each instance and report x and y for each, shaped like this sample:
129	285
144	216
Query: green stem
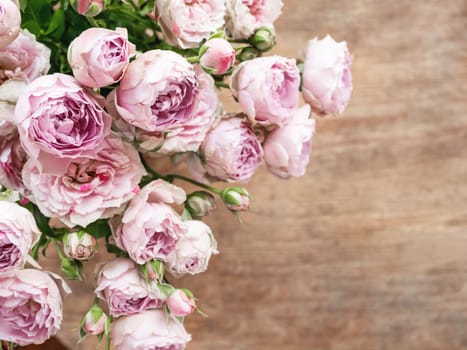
193	59
93	22
35	250
58	248
221	84
194	182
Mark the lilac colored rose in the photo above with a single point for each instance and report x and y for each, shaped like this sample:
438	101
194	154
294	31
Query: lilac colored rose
287	149
150	229
58	119
185	23
180	304
219	56
192	130
231	151
99	56
327	79
245	16
90	188
120	285
149	330
10	21
193	250
30	307
158	91
267	89
24	59
18	233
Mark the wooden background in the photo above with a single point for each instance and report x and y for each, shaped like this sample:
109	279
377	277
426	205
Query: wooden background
369	249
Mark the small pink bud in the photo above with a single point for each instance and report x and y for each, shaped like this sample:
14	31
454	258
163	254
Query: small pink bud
217	56
92	327
88	8
79	245
180	304
236	198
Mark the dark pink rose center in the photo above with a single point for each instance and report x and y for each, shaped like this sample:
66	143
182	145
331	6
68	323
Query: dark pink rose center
10	255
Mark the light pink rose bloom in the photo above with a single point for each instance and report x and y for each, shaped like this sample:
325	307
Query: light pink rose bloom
149	330
192	130
10	22
231	151
327	79
12	158
287	149
30	307
158	91
120	285
24	59
18	233
219	56
88	8
58	119
99	56
180	304
90	188
267	89
150	229
193	251
245	16
185	23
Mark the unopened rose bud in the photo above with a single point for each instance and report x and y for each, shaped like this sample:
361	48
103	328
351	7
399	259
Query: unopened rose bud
153	270
95	322
217	56
248	53
200	203
264	39
79	245
180	304
88	8
236	198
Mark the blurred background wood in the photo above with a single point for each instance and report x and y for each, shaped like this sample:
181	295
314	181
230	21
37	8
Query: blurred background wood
369	249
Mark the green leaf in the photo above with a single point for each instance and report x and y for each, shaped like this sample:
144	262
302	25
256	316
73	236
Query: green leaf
186	215
57	25
98	229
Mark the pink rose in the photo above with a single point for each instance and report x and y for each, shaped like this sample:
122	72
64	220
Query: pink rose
245	16
149	330
90	188
24	59
231	151
150	229
287	149
88	8
12	160
185	23
219	56
57	118
18	233
236	198
193	250
327	79
267	89
192	130
30	307
180	304
79	245
99	57
10	22
120	285
158	91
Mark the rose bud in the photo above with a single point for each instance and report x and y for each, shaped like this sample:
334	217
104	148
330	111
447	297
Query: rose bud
248	53
95	322
88	8
200	203
264	39
236	198
99	56
217	56
327	79
180	304
79	245
10	22
152	270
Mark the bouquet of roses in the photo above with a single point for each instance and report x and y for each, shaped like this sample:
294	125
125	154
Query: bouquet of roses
94	95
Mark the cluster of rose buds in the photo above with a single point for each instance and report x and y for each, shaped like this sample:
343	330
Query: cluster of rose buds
80	149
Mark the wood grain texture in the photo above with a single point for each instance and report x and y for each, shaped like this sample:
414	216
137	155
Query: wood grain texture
369	249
